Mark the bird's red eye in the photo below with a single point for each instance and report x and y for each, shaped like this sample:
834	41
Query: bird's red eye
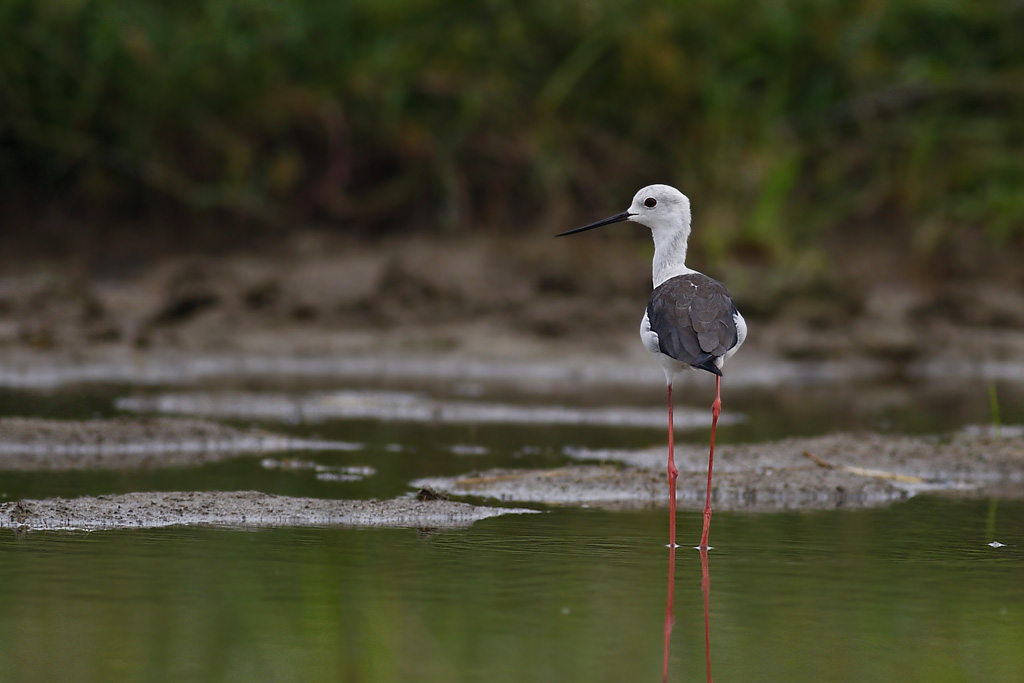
650	202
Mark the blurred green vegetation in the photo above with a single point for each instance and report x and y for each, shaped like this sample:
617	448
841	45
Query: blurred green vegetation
785	121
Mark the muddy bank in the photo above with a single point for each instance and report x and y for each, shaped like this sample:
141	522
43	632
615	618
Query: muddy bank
33	444
237	509
324	306
833	471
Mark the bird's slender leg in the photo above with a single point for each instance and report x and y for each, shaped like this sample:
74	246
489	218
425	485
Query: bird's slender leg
673	473
716	409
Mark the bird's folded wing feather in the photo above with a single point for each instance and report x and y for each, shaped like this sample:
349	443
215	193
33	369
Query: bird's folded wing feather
694	318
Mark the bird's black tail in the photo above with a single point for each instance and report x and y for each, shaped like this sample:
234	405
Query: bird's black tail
707	362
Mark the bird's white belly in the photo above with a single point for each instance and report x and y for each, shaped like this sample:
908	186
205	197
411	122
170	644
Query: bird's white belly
741	334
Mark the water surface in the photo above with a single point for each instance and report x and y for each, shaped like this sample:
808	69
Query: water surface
909	593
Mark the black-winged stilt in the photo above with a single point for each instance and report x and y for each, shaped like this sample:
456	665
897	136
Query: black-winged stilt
691	322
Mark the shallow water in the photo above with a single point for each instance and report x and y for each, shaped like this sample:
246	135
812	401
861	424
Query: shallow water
910	593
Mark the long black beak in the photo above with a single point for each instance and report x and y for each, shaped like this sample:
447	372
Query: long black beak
617	218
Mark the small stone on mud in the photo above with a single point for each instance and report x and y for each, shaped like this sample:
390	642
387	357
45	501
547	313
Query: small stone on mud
426	493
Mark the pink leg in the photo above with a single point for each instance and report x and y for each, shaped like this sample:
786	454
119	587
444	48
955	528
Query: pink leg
716	409
673	473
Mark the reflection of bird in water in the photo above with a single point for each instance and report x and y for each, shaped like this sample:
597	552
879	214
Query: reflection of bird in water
670	619
691	322
705	586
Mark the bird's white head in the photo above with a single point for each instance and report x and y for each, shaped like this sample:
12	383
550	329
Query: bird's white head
666	211
662	208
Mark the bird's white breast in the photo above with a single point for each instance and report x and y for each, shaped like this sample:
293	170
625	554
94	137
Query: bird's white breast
648	336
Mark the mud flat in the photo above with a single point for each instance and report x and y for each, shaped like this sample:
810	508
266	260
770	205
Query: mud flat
34	444
244	509
840	470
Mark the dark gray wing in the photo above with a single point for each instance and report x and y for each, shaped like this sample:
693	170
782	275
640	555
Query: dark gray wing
695	320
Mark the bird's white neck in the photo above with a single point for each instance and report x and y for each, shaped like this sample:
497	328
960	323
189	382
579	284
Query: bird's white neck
670	254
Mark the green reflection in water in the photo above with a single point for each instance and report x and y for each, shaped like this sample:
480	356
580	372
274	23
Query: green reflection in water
910	593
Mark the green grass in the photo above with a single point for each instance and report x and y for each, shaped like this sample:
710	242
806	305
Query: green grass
786	121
